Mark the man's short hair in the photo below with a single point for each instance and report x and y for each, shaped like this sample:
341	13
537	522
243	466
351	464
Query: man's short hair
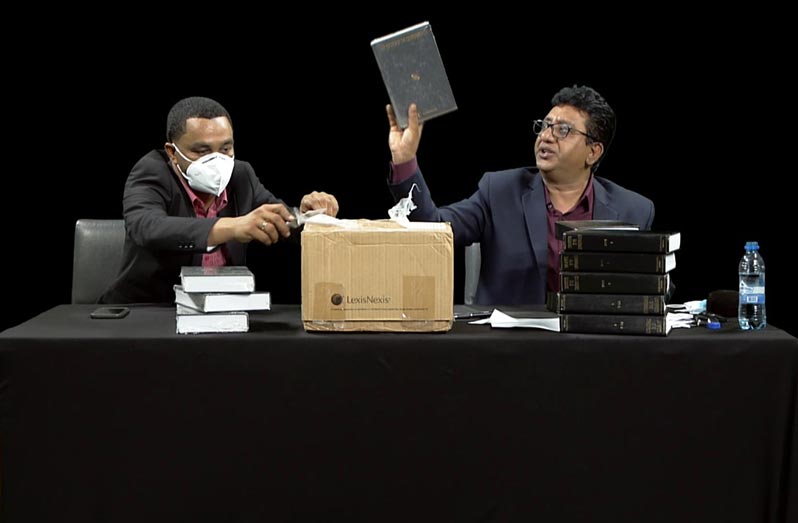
600	116
192	107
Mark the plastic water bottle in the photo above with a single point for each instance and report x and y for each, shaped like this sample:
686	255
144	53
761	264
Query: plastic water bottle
751	313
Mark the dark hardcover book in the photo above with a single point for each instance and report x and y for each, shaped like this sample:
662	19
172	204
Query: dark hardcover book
613	283
553	301
229	278
563	226
413	72
621	241
615	324
607	303
617	262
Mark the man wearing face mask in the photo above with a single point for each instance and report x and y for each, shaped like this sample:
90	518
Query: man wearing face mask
193	203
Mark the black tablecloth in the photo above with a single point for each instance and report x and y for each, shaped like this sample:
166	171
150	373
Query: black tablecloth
124	420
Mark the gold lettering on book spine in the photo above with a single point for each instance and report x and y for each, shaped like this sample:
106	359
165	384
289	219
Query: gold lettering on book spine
402	40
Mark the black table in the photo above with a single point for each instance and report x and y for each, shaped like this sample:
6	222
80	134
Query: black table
124	420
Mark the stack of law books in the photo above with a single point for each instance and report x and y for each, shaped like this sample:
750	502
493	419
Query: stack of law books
615	280
216	299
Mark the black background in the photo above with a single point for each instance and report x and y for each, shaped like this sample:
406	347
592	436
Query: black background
706	118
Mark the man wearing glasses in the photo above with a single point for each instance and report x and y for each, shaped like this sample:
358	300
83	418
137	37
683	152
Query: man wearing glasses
512	213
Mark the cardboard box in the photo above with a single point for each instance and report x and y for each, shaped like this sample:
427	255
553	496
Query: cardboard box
377	276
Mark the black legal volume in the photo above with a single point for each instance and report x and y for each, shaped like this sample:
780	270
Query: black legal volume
563	226
615	324
617	262
413	72
614	282
643	304
621	241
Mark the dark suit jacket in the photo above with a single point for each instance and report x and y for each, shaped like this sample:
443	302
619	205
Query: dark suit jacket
163	232
507	215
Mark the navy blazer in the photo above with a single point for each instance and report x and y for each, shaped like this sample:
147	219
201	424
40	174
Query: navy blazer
507	215
163	232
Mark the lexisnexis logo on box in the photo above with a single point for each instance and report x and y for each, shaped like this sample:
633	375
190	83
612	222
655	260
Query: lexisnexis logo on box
337	299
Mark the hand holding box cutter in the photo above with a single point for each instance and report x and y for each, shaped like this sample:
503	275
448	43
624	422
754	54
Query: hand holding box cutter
300	218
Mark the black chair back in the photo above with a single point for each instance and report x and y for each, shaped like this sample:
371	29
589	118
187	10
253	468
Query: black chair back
97	257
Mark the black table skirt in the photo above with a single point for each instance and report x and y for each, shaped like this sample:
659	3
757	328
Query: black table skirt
124	420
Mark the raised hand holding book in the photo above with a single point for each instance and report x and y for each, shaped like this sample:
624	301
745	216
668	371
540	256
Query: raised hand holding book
413	72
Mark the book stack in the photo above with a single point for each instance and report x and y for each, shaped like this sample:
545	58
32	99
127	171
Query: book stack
216	299
615	281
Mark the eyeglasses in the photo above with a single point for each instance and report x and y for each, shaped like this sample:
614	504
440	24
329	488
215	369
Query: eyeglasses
559	130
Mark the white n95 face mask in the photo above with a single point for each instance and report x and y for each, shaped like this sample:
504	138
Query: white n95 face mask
209	174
